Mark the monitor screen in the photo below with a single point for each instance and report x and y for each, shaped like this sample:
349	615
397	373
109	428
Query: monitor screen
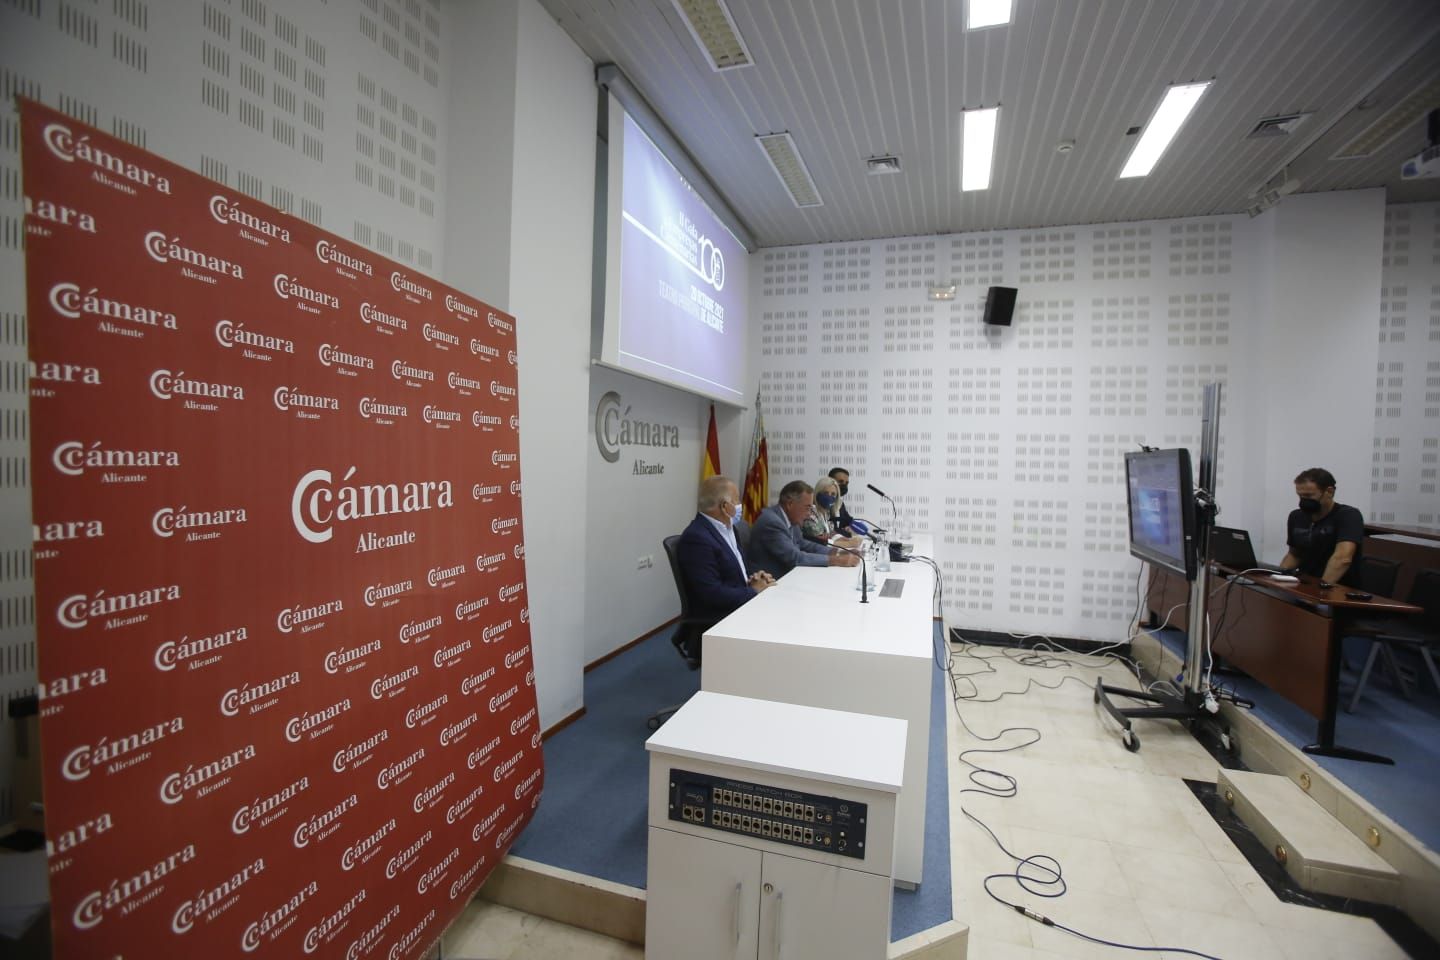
676	278
1162	509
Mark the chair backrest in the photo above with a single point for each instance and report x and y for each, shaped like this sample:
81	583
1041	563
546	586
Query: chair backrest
742	536
672	553
1425	592
1377	576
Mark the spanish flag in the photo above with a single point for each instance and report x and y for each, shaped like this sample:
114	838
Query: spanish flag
711	466
757	480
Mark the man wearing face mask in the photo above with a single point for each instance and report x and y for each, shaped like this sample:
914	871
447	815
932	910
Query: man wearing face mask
1326	539
710	557
843	521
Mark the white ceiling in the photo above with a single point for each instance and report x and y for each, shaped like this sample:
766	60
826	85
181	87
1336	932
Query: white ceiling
851	79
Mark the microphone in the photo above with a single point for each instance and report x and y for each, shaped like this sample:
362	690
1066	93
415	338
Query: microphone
894	510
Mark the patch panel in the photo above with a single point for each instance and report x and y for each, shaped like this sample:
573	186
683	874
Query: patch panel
769	813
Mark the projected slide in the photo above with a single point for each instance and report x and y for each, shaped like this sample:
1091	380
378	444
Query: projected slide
682	296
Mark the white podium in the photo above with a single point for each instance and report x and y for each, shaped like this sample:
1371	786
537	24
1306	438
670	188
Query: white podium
808	640
771	832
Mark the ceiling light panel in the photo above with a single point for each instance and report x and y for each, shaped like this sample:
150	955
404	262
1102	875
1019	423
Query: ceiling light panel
1392	122
978	147
712	26
1175	108
780	150
986	13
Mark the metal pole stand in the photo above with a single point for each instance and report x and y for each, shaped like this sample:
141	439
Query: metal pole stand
1195	705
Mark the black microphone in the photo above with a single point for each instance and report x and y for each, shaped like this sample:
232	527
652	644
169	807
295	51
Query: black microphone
864	577
894	510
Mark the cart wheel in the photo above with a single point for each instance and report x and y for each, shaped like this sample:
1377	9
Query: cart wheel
1132	742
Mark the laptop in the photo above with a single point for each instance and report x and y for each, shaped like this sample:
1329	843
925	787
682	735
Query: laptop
1231	547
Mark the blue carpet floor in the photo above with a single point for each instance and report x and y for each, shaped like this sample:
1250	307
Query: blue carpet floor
591	818
1407	731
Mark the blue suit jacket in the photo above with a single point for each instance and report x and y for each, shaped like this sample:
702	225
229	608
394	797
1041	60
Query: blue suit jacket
777	546
713	577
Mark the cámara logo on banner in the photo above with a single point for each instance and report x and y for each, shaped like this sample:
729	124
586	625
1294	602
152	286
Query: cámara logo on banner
108	165
248	225
69	300
317	504
345	264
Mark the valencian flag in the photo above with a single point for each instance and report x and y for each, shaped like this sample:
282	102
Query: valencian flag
711	466
757	480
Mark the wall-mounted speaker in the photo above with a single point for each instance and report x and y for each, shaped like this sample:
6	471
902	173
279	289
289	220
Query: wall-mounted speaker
1000	306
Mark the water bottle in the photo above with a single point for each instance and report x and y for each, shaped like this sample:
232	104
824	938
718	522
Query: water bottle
882	555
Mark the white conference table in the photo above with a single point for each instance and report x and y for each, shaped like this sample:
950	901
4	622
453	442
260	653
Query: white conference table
809	641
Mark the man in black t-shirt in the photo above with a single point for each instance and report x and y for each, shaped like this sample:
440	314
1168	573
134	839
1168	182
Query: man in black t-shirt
1326	538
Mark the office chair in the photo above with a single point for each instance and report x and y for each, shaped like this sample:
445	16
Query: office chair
686	638
1420	633
1378	575
742	536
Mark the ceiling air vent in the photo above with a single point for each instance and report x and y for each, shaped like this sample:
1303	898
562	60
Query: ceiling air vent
779	149
879	166
1281	126
713	28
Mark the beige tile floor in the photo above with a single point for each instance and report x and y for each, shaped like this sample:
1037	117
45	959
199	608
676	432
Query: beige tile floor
1144	863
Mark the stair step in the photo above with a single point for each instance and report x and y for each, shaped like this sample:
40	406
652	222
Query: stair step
1321	854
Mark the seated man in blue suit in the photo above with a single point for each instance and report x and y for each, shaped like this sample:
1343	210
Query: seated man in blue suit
710	559
777	544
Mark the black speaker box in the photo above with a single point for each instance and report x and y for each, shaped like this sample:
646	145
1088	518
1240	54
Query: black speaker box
1000	306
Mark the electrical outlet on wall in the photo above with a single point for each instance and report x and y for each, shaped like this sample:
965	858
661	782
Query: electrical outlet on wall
645	562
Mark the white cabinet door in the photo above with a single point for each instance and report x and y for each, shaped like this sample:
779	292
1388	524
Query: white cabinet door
813	911
703	902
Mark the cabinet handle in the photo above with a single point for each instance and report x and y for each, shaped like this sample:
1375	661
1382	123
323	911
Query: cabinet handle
779	938
737	914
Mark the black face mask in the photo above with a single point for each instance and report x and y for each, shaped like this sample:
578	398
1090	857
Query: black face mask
844	488
1309	505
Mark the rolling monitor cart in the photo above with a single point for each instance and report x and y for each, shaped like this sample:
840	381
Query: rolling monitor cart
771	832
1170	522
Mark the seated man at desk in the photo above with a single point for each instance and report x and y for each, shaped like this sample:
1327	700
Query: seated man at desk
777	544
709	555
1325	538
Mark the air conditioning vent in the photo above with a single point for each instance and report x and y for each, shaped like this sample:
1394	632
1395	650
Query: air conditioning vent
878	166
1281	126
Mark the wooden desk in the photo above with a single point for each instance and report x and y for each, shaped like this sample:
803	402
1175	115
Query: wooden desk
1287	636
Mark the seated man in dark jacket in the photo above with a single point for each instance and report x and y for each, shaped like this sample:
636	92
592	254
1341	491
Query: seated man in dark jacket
711	562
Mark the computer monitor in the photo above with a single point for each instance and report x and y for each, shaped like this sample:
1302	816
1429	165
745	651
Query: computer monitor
1162	509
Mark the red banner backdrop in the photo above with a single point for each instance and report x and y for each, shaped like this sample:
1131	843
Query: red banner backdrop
287	696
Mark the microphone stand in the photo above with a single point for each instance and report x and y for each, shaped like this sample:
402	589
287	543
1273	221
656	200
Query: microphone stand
864	580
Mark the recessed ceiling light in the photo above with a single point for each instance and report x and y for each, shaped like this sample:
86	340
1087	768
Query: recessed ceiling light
712	26
978	149
1389	125
1174	108
986	13
877	166
780	150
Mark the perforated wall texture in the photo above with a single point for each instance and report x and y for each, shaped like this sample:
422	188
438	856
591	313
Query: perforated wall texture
1405	477
1006	443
